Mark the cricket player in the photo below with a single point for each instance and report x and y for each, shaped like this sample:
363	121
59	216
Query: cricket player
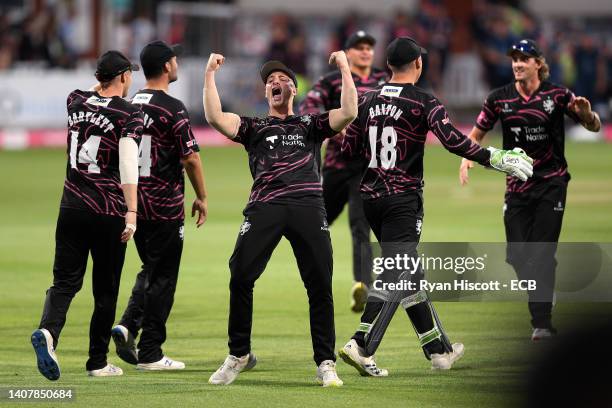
286	201
390	133
97	212
531	111
167	148
341	178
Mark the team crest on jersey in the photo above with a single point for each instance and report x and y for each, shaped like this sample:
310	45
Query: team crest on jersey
97	101
549	105
391	91
306	119
142	98
245	227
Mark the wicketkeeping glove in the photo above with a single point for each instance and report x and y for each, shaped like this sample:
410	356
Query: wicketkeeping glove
513	162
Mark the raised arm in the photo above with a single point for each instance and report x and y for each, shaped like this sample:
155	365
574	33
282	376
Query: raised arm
342	117
588	118
225	122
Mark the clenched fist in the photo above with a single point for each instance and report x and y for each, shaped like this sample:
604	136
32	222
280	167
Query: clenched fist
214	62
339	58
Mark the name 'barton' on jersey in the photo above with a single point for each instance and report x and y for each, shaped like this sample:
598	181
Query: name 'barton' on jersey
95	125
390	132
167	138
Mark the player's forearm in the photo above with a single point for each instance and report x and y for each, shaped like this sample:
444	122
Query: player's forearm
342	117
193	168
130	194
456	142
128	171
223	122
477	135
593	123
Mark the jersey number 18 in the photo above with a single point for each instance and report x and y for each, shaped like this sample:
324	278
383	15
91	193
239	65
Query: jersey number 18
388	154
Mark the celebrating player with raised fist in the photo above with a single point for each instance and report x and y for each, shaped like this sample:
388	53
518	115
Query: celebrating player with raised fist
285	201
531	111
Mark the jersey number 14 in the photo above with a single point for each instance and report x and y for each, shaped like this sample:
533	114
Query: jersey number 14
388	154
88	154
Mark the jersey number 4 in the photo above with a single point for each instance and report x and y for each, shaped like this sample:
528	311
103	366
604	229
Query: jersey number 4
388	154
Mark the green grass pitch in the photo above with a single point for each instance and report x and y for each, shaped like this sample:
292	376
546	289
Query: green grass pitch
495	334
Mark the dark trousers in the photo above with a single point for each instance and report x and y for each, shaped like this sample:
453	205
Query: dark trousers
306	229
398	220
159	245
79	233
339	188
533	223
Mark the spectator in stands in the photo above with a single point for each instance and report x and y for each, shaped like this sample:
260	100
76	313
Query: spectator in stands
493	51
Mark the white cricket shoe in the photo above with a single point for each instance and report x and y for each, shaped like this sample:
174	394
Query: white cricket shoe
353	355
166	363
125	345
231	367
359	297
42	341
542	334
327	376
108	371
445	361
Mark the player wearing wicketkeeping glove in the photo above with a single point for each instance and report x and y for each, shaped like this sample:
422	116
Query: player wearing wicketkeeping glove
531	111
390	134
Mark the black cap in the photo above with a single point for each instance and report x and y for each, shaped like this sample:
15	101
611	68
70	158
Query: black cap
359	37
403	50
271	66
155	54
526	47
111	64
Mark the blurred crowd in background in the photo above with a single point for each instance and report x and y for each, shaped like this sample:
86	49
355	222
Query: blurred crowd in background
579	51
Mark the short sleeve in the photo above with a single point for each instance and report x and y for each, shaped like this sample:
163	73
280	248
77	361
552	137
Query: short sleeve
488	115
320	128
134	125
183	134
245	130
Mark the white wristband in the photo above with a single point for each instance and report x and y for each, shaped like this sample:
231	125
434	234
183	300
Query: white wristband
130	227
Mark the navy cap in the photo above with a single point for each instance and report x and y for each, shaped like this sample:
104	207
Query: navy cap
526	47
272	66
358	38
112	63
155	54
403	50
